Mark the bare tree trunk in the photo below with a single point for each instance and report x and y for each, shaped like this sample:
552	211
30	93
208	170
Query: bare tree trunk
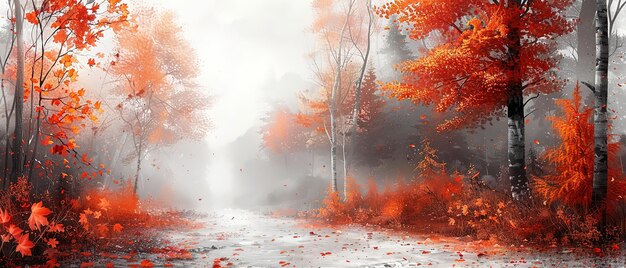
515	112
600	164
139	158
345	161
31	167
17	152
116	156
357	97
7	141
585	44
333	130
333	105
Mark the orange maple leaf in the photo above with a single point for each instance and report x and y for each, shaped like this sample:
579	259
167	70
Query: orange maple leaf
60	36
38	216
104	204
32	17
5	238
91	62
52	242
83	219
56	227
15	231
4	216
24	245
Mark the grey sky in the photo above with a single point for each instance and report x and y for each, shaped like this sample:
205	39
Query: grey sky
243	45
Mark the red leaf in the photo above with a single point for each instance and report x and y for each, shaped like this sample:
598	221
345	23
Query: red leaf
38	216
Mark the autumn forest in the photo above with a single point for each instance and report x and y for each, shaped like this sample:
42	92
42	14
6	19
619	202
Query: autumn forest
320	133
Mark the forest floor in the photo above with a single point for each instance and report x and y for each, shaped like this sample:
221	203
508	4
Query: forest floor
239	238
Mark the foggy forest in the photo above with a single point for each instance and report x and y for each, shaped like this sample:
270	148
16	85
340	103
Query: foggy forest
313	133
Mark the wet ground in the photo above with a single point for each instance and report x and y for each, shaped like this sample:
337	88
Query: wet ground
247	239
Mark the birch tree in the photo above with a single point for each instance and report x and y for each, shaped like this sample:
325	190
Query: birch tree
343	29
605	19
364	56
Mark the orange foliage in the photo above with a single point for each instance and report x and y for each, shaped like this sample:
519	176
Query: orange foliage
162	102
449	205
38	215
94	218
390	207
282	134
24	245
429	165
157	72
336	66
401	203
571	181
61	31
105	212
459	205
469	72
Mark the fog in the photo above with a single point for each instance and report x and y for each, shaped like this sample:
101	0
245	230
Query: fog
264	132
254	57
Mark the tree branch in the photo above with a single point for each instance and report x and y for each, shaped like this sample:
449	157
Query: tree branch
591	87
531	112
531	98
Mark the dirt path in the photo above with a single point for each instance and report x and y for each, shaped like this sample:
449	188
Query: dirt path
247	239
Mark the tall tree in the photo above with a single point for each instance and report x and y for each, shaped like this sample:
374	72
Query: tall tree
493	53
17	152
586	31
49	108
371	145
600	123
8	43
605	20
343	27
356	110
157	70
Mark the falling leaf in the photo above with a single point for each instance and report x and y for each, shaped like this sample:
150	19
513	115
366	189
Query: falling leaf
5	238
4	216
83	219
38	216
24	245
15	231
32	17
52	242
56	227
104	204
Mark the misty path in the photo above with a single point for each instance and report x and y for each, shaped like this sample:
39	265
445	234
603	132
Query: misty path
241	238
